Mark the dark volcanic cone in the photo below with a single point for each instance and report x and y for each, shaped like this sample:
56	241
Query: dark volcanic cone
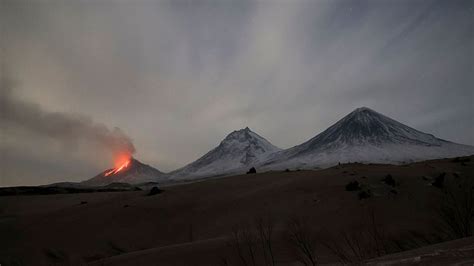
133	173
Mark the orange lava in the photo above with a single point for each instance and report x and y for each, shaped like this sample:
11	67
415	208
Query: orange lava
121	162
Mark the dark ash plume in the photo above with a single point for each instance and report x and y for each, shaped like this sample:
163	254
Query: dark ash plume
67	128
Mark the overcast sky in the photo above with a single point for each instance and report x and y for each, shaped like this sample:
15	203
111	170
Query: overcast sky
175	77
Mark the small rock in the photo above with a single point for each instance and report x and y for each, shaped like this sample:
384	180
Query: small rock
252	171
154	191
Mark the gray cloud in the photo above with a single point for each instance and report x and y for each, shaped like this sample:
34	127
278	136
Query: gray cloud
179	75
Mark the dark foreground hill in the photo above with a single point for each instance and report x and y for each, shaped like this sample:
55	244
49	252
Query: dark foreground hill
197	224
65	189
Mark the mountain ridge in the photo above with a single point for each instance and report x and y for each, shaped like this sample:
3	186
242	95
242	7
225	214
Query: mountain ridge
365	135
238	151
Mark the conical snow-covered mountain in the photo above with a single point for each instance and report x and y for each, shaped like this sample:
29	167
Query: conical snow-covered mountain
362	136
239	151
366	136
132	172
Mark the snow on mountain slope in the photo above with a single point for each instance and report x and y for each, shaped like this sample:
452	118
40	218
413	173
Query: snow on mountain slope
239	151
134	172
366	136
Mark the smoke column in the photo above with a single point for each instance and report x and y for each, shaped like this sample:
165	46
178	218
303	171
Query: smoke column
69	129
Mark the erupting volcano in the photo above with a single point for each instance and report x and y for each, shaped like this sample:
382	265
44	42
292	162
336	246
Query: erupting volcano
118	169
126	170
121	163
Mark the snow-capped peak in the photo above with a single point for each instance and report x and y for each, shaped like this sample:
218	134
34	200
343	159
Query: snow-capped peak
248	142
241	134
365	135
365	126
238	151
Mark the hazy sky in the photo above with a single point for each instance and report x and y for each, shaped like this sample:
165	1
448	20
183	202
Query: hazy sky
177	76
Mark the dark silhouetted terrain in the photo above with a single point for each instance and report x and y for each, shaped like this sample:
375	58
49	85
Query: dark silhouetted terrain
195	224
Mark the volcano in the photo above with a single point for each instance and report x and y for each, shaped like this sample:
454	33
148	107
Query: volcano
366	136
239	151
130	171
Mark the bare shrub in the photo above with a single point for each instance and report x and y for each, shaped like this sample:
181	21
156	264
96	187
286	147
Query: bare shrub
244	244
457	207
356	246
254	242
265	228
303	238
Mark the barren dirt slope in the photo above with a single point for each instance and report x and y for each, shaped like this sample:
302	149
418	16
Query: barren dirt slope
191	224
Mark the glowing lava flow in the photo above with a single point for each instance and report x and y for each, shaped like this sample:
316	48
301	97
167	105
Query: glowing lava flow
118	169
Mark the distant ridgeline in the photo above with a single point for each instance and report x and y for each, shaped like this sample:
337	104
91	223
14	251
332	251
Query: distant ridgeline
362	136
